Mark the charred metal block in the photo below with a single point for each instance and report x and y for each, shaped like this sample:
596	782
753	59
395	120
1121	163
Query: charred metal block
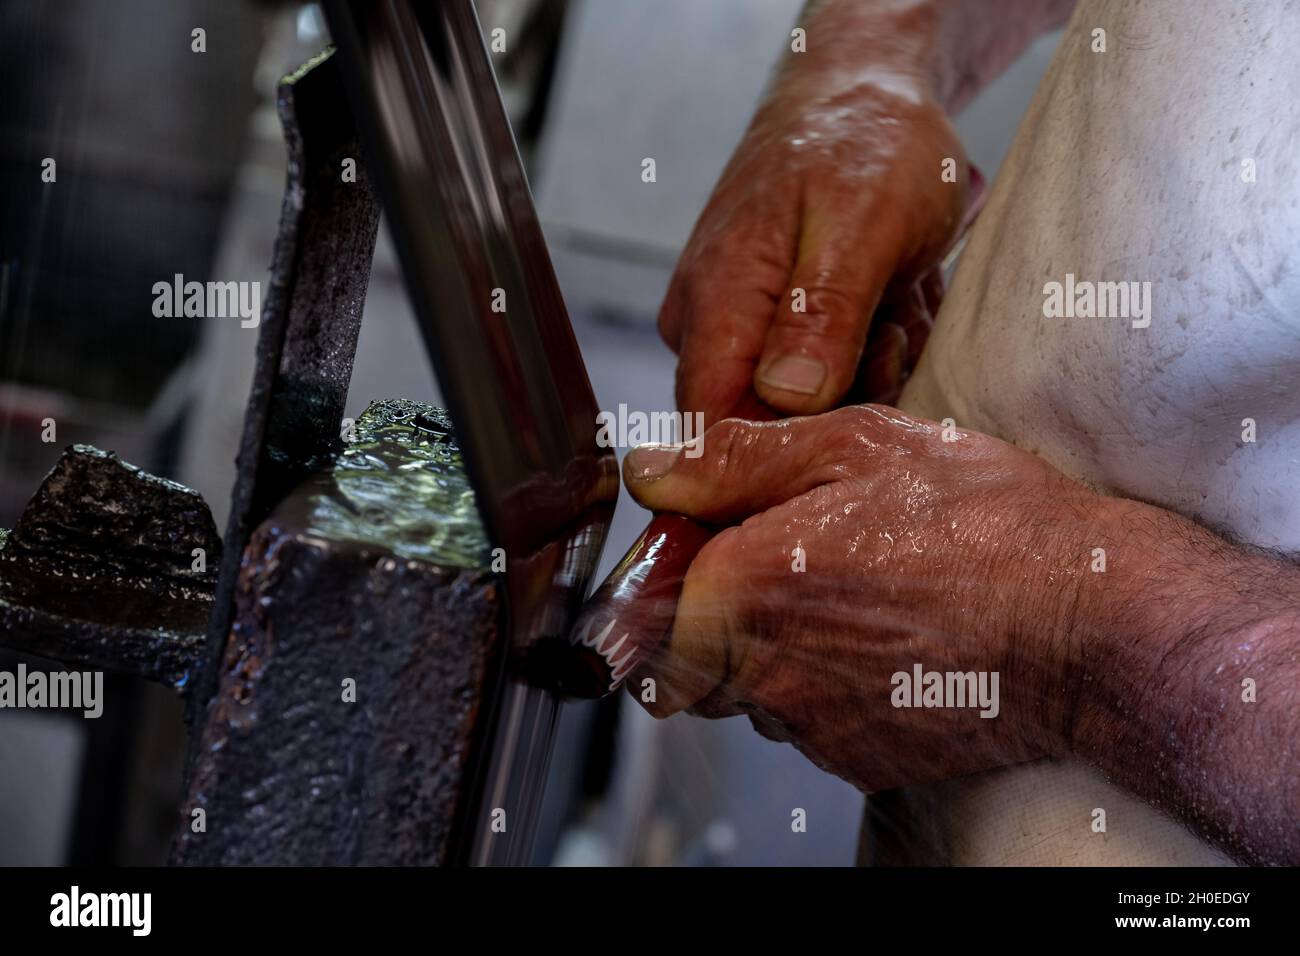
110	567
353	688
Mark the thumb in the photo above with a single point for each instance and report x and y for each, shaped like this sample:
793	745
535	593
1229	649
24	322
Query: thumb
738	468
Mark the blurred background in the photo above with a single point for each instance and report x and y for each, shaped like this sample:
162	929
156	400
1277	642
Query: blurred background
170	161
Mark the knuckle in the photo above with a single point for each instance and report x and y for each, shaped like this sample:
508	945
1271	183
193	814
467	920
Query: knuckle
857	418
853	433
826	308
728	446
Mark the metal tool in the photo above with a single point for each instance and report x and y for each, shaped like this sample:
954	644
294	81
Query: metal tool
456	199
353	544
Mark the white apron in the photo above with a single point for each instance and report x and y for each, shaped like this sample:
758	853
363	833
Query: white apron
1132	165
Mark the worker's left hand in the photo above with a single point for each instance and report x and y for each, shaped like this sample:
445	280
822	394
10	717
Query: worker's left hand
858	544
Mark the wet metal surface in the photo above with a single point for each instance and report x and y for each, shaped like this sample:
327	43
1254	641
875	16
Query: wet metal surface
373	571
405	452
364	569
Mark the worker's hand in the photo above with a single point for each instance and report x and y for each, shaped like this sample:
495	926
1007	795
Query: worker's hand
833	204
858	545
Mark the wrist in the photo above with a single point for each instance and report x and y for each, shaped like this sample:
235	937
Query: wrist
884	50
1046	595
1177	614
1182	653
1132	617
949	49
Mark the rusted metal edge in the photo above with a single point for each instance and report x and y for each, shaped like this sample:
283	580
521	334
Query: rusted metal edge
308	331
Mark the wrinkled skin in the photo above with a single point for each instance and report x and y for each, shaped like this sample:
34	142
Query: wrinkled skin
916	549
838	194
972	555
964	556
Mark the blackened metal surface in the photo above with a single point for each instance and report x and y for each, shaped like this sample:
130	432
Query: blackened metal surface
309	326
374	571
110	567
487	301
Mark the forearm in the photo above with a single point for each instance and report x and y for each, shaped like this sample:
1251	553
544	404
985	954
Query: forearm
1188	657
947	50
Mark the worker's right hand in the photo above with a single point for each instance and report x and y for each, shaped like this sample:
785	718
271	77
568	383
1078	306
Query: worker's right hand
833	203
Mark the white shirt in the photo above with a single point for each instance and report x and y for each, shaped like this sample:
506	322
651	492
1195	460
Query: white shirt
1172	158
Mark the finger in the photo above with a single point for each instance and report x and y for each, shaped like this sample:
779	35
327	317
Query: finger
916	319
715	374
750	407
716	319
672	310
810	356
885	363
696	658
899	332
738	468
